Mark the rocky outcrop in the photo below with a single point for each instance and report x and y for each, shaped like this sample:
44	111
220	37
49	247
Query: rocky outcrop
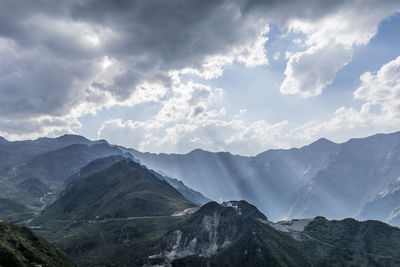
233	233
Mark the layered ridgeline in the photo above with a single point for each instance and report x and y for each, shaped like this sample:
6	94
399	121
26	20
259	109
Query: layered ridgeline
124	190
234	233
32	173
354	179
126	215
19	246
114	215
27	176
324	178
237	234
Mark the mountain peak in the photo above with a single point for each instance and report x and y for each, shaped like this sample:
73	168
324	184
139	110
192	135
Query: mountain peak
322	142
101	141
197	151
241	208
3	140
140	193
73	138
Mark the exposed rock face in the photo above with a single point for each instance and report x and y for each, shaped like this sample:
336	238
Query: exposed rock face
385	207
234	233
211	228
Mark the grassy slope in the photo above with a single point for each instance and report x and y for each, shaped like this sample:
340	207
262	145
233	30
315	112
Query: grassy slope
352	243
124	190
20	247
11	210
124	243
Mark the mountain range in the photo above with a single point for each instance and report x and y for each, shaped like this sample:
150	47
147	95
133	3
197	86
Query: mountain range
358	178
104	204
324	178
123	190
234	233
124	215
33	173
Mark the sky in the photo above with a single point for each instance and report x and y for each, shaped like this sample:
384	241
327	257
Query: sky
171	76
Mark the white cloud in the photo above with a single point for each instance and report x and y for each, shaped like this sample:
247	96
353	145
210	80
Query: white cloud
330	41
309	72
38	127
70	59
210	134
277	56
379	113
382	89
186	121
63	60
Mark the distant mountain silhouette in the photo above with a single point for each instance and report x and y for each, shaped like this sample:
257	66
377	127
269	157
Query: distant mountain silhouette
323	178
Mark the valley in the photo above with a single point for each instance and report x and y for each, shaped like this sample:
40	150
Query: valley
103	205
199	133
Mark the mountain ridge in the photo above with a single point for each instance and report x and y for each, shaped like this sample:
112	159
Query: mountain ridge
282	183
123	190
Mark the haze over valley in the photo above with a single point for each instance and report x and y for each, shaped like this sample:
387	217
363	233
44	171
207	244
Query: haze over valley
70	190
199	133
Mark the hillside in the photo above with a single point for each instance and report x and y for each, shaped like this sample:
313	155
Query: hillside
13	211
232	234
19	246
351	243
323	178
106	162
237	234
385	206
356	174
14	153
46	172
124	190
268	180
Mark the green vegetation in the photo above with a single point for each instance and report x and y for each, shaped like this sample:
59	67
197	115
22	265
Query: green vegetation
47	172
20	247
122	243
13	211
352	243
124	190
262	246
114	211
232	235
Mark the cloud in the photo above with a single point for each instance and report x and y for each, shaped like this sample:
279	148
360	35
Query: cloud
382	89
37	127
277	56
188	120
330	41
379	113
214	134
76	57
309	72
66	59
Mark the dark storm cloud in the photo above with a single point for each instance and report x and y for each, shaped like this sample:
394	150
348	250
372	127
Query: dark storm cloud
51	52
46	61
168	34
